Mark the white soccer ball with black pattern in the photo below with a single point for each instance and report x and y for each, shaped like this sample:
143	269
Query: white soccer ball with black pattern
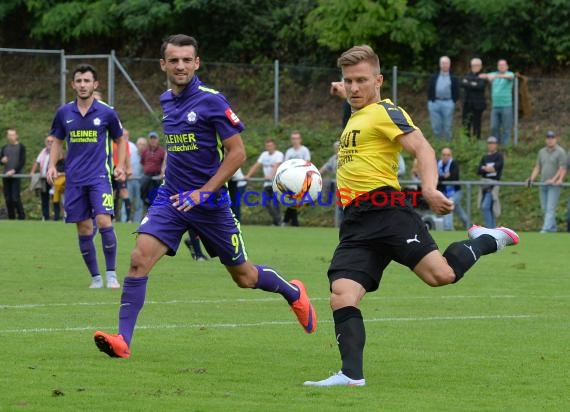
298	183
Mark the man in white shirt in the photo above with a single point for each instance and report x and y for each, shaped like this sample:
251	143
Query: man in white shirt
270	159
296	151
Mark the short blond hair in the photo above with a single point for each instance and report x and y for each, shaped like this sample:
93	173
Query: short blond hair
357	54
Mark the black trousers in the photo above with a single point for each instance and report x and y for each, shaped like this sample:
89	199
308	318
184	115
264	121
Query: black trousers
472	121
12	196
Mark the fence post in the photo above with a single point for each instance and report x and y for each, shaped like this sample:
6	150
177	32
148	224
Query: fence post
111	78
469	197
395	85
276	92
516	111
62	76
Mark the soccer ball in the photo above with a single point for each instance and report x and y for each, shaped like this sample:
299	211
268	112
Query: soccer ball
298	183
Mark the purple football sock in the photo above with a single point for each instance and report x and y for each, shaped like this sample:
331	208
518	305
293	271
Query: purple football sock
109	241
270	281
132	301
87	248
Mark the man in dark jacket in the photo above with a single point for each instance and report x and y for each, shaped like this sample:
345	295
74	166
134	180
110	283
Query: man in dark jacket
474	99
443	93
13	157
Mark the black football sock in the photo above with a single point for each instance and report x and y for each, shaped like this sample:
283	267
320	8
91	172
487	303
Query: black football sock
351	337
462	255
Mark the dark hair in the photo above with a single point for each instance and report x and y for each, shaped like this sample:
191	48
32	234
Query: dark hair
84	68
179	40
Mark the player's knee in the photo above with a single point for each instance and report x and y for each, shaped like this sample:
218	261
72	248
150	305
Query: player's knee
139	262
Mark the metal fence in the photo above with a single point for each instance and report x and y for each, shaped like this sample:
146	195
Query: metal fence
256	214
276	90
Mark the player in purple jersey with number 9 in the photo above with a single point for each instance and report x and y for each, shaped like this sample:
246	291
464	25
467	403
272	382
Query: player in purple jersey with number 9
199	125
87	125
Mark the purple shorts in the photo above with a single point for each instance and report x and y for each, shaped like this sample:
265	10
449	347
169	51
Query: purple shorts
86	202
217	228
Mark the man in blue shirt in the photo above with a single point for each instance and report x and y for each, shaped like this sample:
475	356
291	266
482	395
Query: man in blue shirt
199	126
87	125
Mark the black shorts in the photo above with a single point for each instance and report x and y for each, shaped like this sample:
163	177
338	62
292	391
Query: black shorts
371	236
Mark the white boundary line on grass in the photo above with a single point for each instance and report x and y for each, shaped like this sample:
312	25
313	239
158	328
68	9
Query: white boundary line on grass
264	323
257	300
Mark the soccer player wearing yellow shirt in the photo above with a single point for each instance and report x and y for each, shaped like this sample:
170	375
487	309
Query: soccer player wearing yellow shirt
375	231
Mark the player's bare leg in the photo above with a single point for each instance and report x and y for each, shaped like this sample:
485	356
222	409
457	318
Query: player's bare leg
147	252
248	275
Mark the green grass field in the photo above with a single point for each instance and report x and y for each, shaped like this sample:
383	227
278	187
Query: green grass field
497	341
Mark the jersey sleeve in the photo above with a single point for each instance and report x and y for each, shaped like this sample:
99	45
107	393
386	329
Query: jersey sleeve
115	126
225	121
397	122
58	126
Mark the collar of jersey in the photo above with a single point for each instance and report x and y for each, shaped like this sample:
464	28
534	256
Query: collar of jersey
92	108
190	89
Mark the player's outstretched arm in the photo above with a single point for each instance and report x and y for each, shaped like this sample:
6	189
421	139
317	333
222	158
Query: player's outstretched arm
416	144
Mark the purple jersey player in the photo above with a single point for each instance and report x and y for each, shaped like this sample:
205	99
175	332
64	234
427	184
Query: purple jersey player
86	125
199	125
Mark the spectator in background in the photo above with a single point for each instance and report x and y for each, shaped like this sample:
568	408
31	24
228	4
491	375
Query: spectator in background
270	160
490	169
58	189
296	151
551	165
329	183
568	205
152	160
474	99
13	157
236	187
448	171
501	101
443	92
40	167
134	182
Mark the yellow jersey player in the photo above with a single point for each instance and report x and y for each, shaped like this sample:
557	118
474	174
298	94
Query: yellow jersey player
379	224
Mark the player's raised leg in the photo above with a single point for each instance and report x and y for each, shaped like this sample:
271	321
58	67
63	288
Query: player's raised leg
248	275
224	240
147	252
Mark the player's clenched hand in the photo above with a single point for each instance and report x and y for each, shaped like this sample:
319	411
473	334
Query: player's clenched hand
438	202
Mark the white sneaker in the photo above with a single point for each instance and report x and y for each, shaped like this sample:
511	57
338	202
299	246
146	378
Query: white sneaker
112	282
503	235
338	379
96	282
